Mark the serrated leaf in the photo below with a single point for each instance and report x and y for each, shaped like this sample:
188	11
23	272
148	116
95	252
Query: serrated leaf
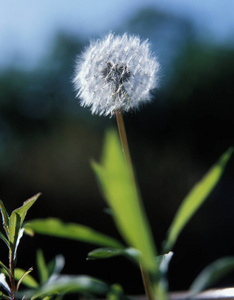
122	195
195	199
23	277
104	253
42	267
5	217
57	228
72	284
212	274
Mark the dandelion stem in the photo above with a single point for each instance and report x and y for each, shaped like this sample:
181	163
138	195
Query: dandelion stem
127	156
124	140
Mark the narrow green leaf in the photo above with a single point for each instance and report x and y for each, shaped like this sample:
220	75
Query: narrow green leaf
4	239
56	266
42	267
16	219
23	276
122	195
57	228
103	253
164	261
5	217
212	274
71	284
22	211
5	269
14	231
195	199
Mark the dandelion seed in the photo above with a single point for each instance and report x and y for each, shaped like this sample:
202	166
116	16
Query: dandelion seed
116	74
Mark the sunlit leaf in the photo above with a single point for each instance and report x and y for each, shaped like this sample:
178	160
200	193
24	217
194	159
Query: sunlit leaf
23	276
5	217
212	274
16	220
195	199
4	283
103	253
14	231
57	228
71	284
22	211
121	193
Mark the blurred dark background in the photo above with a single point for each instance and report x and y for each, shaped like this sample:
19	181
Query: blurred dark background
47	141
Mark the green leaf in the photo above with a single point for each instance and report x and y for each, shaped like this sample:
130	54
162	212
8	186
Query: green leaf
5	217
14	230
116	293
57	228
122	195
164	261
212	274
56	265
23	277
5	269
4	283
42	268
4	239
22	211
195	199
103	253
16	221
71	284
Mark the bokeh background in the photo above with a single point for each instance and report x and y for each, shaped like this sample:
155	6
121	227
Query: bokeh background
47	140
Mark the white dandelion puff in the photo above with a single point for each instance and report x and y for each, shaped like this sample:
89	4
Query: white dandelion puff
116	74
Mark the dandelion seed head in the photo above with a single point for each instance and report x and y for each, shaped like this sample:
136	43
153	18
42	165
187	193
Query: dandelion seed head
116	73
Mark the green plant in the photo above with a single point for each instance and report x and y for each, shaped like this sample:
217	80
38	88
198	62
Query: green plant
54	285
119	188
113	75
13	227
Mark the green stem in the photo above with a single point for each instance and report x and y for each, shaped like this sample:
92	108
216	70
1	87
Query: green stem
124	142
